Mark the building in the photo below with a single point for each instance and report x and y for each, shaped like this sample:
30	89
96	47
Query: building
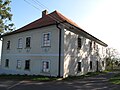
52	46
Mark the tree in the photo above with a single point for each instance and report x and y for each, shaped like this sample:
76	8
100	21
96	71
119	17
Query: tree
5	17
112	57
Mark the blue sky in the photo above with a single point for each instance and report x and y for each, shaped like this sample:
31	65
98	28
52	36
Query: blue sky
24	13
100	18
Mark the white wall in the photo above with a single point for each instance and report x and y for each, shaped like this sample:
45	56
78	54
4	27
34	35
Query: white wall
35	54
73	55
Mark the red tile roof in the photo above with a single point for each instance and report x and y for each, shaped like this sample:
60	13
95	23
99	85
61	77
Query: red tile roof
48	19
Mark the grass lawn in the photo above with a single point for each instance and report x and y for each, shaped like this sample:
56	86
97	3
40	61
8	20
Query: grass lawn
89	74
115	79
45	78
28	77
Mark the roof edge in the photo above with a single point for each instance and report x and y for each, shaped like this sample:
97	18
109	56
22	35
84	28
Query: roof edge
99	41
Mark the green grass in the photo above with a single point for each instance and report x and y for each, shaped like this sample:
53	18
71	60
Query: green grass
115	79
89	74
45	78
28	77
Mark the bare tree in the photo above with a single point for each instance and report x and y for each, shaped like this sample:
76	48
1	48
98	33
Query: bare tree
112	57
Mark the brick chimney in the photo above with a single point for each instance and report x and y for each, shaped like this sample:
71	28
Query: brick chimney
44	13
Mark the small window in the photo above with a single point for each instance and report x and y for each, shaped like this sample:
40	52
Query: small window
90	65
46	66
28	40
90	45
8	44
79	66
79	43
27	65
46	39
7	63
94	45
18	64
103	63
20	43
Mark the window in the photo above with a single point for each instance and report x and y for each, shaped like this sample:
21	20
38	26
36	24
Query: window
8	44
79	42
18	64
90	65
94	46
103	63
46	39
27	65
79	66
7	63
20	43
90	47
46	66
28	39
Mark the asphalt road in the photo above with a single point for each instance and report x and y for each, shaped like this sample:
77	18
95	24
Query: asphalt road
99	82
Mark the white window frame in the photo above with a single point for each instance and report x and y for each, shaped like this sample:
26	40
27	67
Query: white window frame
46	43
19	64
20	43
44	68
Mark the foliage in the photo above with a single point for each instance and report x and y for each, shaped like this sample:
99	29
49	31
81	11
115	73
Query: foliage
112	58
5	17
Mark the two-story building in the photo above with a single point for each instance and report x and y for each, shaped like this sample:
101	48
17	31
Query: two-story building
52	46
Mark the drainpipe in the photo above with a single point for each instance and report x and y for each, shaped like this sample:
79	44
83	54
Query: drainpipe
59	62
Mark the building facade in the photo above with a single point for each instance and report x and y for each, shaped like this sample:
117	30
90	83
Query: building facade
52	46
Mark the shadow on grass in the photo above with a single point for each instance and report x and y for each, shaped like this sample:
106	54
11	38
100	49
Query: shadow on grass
27	77
89	74
115	79
45	78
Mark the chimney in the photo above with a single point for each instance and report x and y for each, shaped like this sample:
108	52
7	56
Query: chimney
44	13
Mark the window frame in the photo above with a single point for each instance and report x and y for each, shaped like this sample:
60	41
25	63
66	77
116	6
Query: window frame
19	64
103	63
79	42
90	45
91	65
46	43
7	63
27	66
44	69
79	66
8	44
20	43
29	42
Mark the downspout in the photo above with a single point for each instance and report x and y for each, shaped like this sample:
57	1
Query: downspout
59	61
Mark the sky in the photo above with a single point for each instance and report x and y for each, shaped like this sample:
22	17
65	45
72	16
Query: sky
101	18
